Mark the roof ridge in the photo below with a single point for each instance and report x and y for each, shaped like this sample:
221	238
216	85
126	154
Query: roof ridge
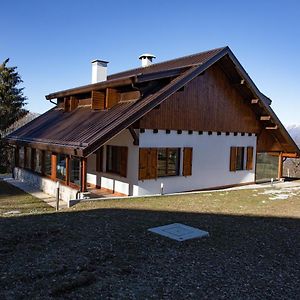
168	61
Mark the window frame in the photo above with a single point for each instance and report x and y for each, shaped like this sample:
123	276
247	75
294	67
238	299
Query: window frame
168	162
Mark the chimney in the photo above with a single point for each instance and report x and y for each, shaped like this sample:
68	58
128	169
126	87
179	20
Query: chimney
99	70
146	59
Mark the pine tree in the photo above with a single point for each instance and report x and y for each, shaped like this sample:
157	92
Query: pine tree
12	101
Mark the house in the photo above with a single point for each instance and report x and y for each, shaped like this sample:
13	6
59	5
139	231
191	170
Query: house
195	122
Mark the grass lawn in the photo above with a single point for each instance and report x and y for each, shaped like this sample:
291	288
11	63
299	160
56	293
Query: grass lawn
102	250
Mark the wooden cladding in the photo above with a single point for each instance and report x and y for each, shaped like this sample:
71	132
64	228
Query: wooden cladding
98	100
237	158
147	163
187	161
70	103
249	162
112	98
208	103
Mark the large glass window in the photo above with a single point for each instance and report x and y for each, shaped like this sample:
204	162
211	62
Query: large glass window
167	162
21	157
38	161
47	163
28	158
61	168
75	170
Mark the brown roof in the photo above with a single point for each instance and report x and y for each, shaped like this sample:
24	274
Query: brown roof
126	77
185	61
61	132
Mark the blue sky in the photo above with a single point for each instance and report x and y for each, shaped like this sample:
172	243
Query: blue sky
53	42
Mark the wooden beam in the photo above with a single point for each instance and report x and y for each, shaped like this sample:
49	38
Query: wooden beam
136	140
280	165
53	166
272	127
130	96
83	184
290	155
265	118
67	170
254	101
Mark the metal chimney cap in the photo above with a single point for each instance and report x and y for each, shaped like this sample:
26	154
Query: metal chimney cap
100	61
147	55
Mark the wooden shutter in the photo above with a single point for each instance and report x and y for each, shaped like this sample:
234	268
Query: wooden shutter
143	163
98	100
187	161
123	162
152	164
99	160
249	164
147	163
233	155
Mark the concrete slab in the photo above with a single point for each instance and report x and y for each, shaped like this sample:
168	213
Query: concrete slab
34	191
179	232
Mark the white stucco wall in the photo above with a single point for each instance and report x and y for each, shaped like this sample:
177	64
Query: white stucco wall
111	181
211	159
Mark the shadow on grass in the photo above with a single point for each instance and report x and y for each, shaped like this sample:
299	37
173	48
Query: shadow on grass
108	253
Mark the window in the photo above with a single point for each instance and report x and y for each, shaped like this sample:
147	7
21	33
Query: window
239	158
167	162
47	165
61	168
28	158
21	157
75	170
116	160
38	161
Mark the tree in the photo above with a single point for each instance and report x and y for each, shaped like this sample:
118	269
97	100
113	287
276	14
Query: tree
12	101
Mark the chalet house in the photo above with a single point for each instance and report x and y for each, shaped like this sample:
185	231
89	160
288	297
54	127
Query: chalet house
195	122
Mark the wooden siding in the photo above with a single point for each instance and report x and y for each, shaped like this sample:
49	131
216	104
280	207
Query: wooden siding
208	103
98	99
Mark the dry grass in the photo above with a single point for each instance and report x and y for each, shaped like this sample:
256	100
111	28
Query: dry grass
102	250
14	199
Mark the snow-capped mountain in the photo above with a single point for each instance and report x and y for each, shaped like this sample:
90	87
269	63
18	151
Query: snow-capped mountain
294	131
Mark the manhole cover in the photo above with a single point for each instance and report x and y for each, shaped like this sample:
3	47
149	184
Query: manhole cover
179	232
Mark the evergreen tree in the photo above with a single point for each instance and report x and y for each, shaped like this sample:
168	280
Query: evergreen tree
12	101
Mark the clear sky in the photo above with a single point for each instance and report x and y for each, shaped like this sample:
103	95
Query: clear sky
53	42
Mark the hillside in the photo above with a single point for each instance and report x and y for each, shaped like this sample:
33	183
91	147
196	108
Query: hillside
291	167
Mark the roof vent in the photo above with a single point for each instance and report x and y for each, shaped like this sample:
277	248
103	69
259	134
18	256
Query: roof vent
146	59
99	70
